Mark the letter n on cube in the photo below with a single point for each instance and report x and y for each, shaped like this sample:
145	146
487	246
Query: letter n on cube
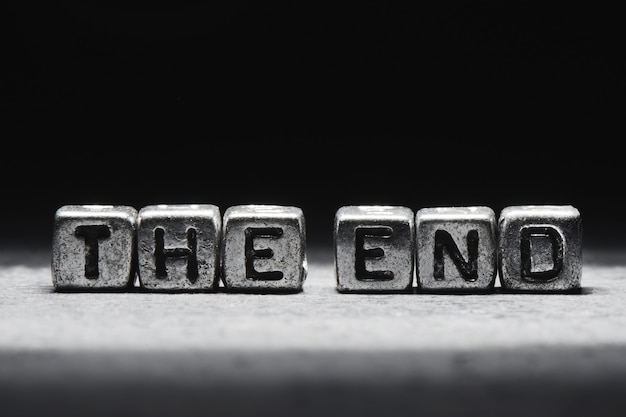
456	249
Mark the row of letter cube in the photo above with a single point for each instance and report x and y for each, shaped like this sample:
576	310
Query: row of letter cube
188	247
462	249
262	247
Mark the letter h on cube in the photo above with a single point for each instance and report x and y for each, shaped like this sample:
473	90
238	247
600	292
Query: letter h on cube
178	247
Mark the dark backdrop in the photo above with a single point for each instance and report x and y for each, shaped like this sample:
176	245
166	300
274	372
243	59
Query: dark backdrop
314	104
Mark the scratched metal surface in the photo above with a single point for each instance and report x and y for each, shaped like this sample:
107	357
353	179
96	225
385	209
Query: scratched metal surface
312	353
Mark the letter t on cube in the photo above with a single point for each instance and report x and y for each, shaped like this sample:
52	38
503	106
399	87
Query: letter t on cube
374	248
94	247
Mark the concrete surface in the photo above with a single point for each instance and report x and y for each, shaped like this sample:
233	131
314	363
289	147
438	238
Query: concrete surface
318	352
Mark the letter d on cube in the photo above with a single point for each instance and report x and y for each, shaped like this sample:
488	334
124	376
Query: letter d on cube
540	248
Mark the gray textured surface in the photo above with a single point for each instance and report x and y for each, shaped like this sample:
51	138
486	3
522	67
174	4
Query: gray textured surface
311	353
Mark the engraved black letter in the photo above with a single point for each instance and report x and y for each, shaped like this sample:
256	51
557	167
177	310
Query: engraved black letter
91	234
361	253
267	253
469	269
160	253
528	232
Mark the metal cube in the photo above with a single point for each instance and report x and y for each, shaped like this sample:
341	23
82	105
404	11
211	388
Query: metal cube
178	247
540	248
374	248
264	248
456	249
93	247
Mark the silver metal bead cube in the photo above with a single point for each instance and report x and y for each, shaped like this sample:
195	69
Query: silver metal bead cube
94	247
540	248
178	247
374	248
456	249
264	248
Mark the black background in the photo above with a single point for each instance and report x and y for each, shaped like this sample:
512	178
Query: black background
313	104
